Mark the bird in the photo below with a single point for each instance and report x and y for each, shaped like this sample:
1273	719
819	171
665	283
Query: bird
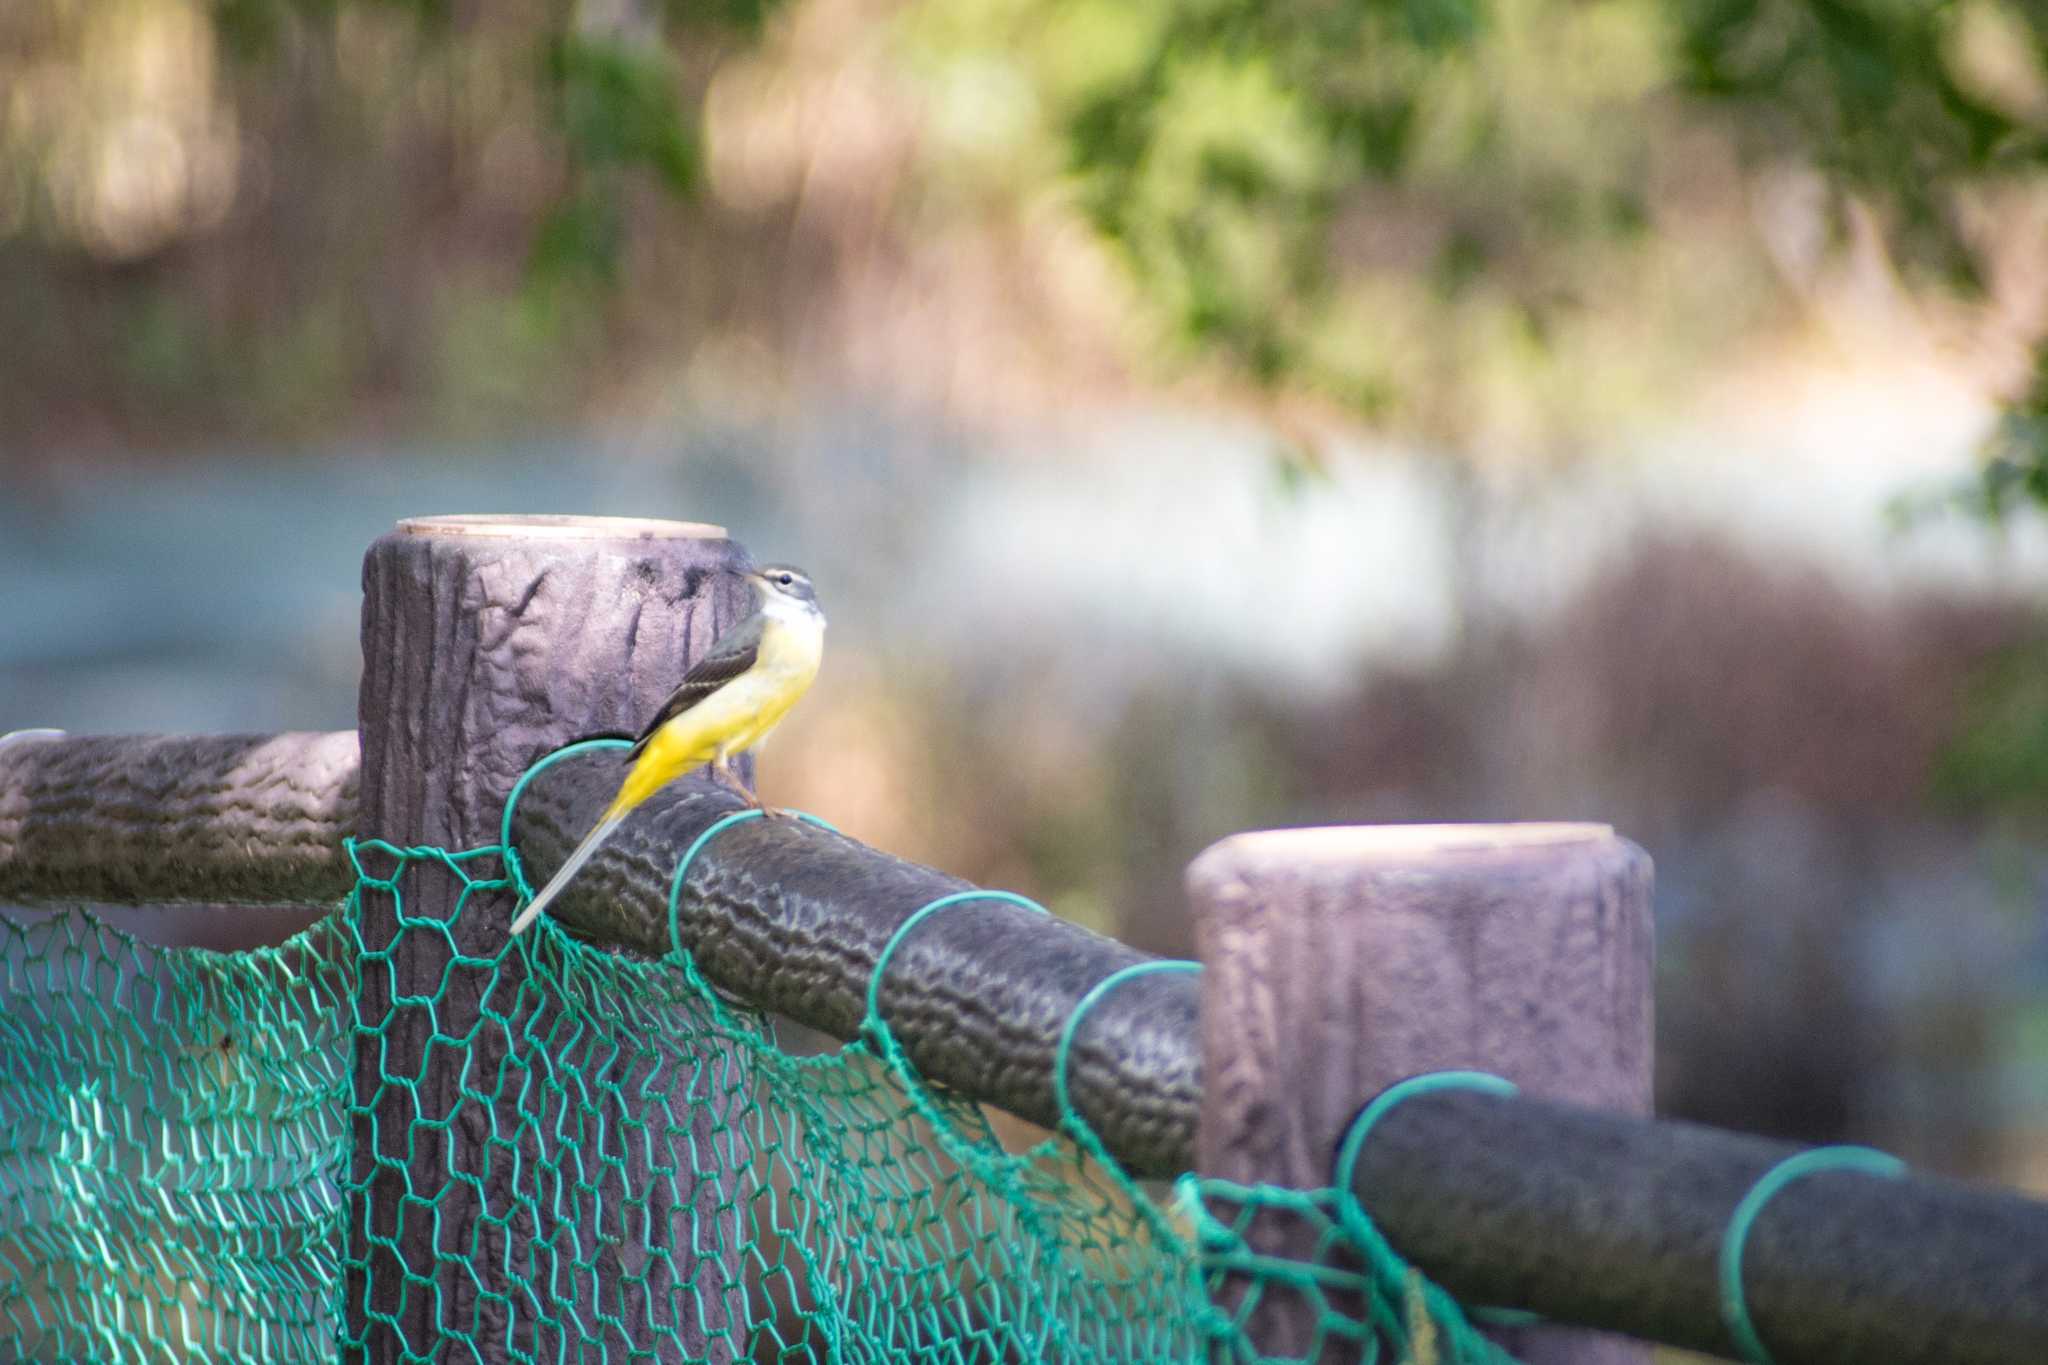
726	704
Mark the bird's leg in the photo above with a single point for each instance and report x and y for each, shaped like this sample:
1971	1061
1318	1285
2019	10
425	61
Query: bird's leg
732	780
725	775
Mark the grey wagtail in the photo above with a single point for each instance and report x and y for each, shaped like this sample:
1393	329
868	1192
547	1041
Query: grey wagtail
726	705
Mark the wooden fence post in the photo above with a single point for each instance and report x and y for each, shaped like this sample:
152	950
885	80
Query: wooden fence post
1339	961
488	642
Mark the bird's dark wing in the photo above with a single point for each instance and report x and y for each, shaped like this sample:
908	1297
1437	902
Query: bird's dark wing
731	655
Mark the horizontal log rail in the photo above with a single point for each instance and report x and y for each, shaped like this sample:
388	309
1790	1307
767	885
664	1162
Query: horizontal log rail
154	819
1585	1217
780	913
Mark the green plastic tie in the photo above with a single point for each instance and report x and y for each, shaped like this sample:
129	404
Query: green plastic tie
1358	1224
1368	1118
1484	1082
513	867
873	1022
675	954
1734	1305
1349	1210
1070	1116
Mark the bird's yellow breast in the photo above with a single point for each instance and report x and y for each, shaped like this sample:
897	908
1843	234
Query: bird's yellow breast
740	714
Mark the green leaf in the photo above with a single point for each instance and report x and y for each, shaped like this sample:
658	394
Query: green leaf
578	241
617	103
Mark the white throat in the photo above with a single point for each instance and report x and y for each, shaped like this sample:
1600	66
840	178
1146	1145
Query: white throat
778	608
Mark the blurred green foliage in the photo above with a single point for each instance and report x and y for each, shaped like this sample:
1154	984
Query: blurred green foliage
618	109
1402	205
1999	761
2016	455
617	104
1221	156
2013	477
1879	94
1883	97
1357	200
1436	214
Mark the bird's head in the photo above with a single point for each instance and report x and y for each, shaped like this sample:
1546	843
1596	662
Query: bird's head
784	588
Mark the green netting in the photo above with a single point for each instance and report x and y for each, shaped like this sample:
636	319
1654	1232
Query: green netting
186	1175
170	1133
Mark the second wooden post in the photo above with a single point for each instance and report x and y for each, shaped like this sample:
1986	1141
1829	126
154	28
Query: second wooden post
1340	961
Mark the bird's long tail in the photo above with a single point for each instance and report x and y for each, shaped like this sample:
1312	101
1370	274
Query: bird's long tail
568	869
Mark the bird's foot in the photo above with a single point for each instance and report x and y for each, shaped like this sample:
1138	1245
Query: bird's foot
727	778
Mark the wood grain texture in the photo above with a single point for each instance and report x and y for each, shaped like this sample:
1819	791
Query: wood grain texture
1343	960
150	819
487	644
792	918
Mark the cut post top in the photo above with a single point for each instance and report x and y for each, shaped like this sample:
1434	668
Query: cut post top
557	527
1350	845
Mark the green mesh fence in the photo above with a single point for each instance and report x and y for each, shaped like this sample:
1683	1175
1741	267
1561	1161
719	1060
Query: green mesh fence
170	1133
660	1179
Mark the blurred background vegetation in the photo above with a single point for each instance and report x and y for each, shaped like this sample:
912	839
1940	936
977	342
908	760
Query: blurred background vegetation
1200	414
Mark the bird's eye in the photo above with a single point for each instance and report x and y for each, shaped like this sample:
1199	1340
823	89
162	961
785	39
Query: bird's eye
784	579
